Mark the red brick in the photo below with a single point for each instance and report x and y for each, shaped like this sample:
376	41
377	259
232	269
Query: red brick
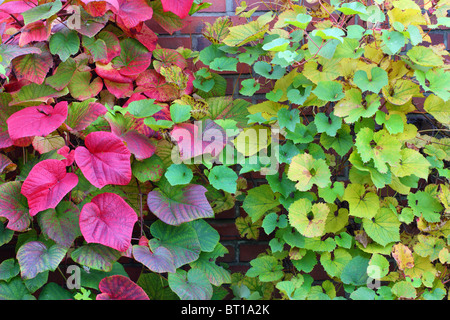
216	6
229	257
175	42
248	252
227	229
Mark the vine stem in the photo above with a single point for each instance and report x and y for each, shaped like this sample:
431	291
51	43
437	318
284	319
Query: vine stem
141	215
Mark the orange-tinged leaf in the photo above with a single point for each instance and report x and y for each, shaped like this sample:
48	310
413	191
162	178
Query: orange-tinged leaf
403	256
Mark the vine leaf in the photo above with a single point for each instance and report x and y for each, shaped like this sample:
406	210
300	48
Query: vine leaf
105	159
35	257
178	204
37	121
108	220
118	287
47	184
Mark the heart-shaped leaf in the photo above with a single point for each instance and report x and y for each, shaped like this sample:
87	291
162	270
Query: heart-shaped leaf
134	58
131	13
64	43
182	241
178	204
36	121
191	285
35	257
47	184
180	8
41	12
119	287
159	261
61	224
104	160
13	206
108	220
96	256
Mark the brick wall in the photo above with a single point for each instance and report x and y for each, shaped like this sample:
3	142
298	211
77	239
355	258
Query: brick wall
241	251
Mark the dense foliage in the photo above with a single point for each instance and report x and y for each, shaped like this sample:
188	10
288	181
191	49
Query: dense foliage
100	126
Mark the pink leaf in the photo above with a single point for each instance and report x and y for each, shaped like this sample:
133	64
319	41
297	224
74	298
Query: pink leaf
179	204
147	37
160	260
47	184
35	31
119	287
108	220
104	160
132	12
36	121
154	86
138	144
180	7
68	154
205	137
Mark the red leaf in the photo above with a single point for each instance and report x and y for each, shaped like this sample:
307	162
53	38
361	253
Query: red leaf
132	12
36	121
180	7
168	57
104	160
47	184
68	154
147	37
204	137
154	86
108	220
119	287
35	31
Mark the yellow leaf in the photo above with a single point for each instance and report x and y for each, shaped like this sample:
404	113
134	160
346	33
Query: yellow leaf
252	140
403	256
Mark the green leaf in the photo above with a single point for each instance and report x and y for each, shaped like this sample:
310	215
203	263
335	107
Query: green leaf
143	108
425	205
383	227
148	169
249	87
438	108
242	34
288	118
342	142
224	64
392	122
35	257
307	171
276	45
363	293
380	146
355	272
329	91
180	112
96	256
259	200
266	268
404	289
182	241
412	162
15	289
223	178
425	57
309	219
267	71
301	21
191	285
379	79
41	12
64	43
393	41
352	107
362	203
9	268
272	221
352	8
378	266
331	192
334	266
178	174
329	124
